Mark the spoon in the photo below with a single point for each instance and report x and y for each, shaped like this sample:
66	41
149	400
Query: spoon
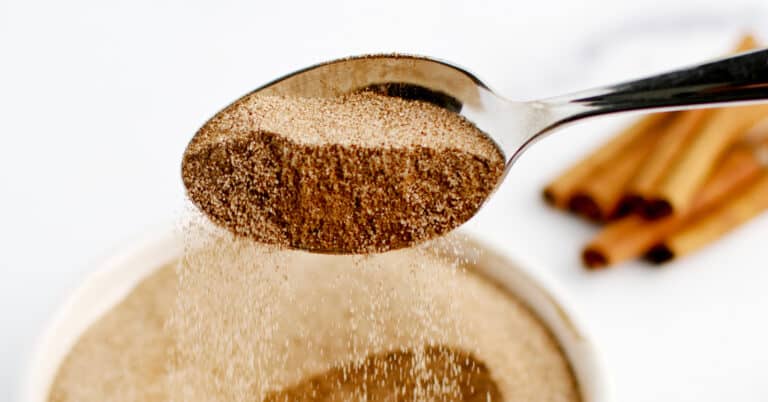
515	125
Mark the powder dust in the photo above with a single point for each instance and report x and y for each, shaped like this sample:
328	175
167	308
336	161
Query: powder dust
252	319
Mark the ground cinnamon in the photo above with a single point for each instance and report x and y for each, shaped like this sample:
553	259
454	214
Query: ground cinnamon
354	174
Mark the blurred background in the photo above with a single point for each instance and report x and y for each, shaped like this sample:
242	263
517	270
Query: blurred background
98	101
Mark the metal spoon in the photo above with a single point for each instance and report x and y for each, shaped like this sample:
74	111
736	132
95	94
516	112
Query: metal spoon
515	125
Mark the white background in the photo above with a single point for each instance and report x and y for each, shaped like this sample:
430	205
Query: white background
97	102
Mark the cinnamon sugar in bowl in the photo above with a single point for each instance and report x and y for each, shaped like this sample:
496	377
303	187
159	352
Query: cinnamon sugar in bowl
333	334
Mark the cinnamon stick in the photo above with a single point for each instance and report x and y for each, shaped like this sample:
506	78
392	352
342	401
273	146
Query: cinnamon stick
711	226
560	191
632	236
598	197
676	136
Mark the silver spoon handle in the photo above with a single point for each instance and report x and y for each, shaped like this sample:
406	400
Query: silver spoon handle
735	79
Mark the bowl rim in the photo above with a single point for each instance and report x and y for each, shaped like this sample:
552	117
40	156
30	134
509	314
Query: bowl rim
162	245
594	380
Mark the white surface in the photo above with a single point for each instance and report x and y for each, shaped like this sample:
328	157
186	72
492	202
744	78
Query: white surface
117	276
97	102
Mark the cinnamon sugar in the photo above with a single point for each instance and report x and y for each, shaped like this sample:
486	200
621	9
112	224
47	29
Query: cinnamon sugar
240	322
358	173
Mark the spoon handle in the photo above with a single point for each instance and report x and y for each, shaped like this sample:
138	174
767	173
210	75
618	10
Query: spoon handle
735	79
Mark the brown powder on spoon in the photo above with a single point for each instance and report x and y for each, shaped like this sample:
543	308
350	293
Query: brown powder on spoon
355	174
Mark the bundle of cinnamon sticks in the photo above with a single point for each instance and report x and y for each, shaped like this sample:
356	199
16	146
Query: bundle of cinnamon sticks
670	183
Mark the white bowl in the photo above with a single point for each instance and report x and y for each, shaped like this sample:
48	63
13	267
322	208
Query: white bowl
118	275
